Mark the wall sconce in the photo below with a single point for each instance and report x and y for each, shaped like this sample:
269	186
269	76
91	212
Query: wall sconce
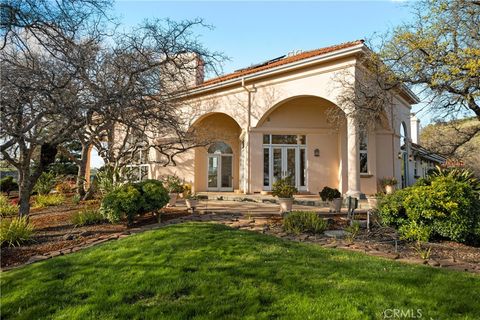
400	155
410	157
316	153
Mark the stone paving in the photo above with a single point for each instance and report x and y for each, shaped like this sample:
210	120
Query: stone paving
263	219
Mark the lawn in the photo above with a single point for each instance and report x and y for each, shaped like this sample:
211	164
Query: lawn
209	271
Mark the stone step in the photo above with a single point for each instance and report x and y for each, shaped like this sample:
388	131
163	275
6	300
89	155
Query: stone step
362	204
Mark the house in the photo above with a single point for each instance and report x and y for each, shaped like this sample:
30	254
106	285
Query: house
269	121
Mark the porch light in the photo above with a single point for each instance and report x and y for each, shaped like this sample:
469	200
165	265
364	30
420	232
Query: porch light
316	153
400	155
410	157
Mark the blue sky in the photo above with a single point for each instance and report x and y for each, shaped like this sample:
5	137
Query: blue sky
252	31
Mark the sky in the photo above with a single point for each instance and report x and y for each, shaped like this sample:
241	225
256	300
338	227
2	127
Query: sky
249	32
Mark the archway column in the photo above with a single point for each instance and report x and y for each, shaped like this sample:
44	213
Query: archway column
353	158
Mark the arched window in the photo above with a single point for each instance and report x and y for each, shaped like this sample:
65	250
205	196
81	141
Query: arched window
220	148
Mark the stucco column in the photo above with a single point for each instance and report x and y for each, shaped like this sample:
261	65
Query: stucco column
353	158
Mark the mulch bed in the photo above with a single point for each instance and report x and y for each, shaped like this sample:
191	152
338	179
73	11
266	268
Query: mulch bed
54	231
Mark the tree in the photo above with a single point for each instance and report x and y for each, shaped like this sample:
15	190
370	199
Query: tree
439	54
64	77
457	140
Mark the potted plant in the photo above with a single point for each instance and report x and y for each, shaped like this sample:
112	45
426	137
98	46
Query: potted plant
333	196
389	184
191	200
174	186
284	190
373	199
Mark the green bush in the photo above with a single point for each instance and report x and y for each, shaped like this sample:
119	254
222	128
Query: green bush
48	200
446	206
87	217
14	232
7	209
328	194
284	188
173	184
76	199
45	183
8	184
304	221
134	198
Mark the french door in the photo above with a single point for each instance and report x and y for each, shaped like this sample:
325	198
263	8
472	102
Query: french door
282	162
220	172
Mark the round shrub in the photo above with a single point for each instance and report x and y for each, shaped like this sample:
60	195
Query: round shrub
446	206
134	198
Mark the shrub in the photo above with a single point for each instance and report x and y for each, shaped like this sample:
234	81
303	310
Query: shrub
64	187
134	198
447	206
284	188
48	200
328	194
45	183
388	181
16	231
76	199
7	209
304	221
173	184
8	184
87	217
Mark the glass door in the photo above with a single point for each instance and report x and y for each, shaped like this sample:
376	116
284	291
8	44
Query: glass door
213	172
220	172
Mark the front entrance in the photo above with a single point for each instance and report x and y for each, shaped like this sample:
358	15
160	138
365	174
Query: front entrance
284	156
220	167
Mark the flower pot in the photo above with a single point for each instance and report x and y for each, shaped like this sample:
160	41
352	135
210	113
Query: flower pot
336	205
372	202
285	204
173	199
191	203
389	189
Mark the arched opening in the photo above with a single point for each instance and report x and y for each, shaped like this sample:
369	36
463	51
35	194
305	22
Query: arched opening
404	154
300	141
217	164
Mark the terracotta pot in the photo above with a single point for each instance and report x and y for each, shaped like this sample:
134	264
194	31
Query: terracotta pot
191	203
285	204
336	205
173	199
389	189
372	202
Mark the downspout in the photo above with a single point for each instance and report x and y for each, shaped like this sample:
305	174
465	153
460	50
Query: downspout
393	142
249	122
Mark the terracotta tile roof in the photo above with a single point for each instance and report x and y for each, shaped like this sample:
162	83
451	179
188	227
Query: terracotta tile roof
279	62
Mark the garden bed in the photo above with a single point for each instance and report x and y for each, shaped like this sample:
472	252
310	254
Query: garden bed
54	231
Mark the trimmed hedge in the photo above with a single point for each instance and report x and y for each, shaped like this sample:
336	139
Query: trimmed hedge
134	198
443	206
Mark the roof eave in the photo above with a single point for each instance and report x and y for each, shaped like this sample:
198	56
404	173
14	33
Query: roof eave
280	69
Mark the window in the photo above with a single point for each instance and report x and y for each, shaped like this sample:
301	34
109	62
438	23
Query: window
220	148
138	167
284	139
363	152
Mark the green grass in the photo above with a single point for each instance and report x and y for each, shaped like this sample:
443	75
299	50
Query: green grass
208	271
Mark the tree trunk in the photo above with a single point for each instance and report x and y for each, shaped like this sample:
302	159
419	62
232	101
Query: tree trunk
27	179
24	190
82	170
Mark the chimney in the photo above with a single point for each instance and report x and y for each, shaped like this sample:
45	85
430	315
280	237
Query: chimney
415	127
200	70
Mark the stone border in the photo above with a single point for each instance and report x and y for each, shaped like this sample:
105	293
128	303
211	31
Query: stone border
259	224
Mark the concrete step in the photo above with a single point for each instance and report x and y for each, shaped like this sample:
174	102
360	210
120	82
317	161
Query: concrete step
307	201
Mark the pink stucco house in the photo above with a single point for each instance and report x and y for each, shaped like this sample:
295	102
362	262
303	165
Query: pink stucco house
269	121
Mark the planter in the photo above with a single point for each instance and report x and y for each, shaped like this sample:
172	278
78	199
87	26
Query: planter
372	202
389	189
191	203
336	205
173	199
285	204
